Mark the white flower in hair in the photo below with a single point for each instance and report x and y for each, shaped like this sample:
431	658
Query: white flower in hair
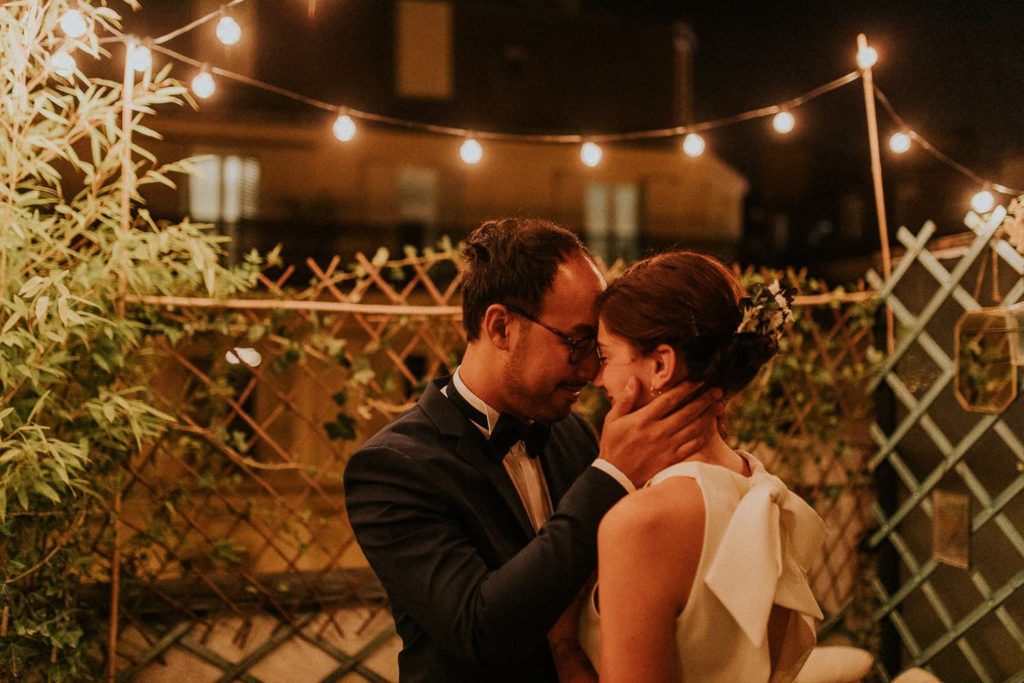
766	310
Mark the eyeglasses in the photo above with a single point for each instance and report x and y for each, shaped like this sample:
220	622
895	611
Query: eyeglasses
579	348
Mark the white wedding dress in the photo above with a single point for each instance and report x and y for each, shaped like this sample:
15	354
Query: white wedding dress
759	540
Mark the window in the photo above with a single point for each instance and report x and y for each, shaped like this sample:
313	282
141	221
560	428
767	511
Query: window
224	189
418	190
423	49
611	218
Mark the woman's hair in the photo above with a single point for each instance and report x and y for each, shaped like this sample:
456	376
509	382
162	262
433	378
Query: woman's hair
691	302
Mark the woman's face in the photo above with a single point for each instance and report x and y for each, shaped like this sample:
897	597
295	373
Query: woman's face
619	362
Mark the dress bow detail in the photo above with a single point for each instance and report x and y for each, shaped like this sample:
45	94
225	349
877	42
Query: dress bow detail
768	546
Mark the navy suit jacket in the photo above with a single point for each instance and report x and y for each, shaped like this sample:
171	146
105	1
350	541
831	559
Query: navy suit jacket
473	589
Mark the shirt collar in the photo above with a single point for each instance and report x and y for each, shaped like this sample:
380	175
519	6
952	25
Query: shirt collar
475	401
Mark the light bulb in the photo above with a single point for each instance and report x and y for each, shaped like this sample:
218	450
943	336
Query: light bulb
867	57
783	122
344	128
590	154
73	24
63	64
693	145
228	31
203	85
471	151
983	202
140	57
899	142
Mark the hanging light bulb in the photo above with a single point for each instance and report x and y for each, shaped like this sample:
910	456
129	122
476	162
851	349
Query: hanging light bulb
140	57
983	202
73	24
590	154
867	57
693	145
344	128
228	30
63	64
899	142
203	84
471	152
783	122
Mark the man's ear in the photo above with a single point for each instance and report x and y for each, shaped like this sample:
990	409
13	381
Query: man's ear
497	326
666	365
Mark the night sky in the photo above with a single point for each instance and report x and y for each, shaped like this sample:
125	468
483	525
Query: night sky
954	70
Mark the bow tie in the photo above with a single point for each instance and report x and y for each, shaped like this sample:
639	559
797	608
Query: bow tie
508	431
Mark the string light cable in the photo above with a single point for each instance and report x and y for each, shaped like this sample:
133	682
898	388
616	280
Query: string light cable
939	154
775	110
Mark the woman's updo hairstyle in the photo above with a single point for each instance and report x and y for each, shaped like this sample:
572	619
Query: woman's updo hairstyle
691	302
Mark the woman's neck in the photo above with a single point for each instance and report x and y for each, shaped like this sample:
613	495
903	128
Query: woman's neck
717	452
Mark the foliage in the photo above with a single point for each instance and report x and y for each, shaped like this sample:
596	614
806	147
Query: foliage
75	363
806	401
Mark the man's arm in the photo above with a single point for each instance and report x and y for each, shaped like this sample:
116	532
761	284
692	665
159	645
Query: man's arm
417	546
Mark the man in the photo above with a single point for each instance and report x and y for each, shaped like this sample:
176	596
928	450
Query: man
479	508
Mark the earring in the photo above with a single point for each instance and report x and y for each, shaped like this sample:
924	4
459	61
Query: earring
656	392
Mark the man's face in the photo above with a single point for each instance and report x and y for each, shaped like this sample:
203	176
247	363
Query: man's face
540	381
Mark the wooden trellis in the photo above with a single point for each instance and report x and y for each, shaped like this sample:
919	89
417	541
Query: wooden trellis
963	624
235	519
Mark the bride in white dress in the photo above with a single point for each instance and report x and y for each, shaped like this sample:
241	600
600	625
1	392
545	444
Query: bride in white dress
702	573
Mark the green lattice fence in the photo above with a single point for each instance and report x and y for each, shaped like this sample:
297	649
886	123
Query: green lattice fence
963	624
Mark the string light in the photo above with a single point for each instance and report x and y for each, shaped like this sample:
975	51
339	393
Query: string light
471	152
344	128
63	64
140	57
203	85
899	142
228	31
693	145
867	57
73	24
590	154
783	122
983	201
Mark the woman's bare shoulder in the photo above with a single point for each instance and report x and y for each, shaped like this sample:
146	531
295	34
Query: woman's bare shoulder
655	514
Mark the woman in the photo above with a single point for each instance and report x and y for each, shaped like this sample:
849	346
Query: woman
701	574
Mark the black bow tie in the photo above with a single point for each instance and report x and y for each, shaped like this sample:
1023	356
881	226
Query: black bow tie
508	431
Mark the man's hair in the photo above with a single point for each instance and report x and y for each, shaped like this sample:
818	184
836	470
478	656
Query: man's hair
512	261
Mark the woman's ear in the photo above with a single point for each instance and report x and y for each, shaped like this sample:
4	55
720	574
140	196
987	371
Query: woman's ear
497	326
667	365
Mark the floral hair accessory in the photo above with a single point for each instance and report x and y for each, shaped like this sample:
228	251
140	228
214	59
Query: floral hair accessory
766	310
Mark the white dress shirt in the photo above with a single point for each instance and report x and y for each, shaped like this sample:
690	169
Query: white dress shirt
526	473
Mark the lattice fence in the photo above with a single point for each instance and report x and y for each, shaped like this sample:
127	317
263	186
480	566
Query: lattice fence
963	624
234	557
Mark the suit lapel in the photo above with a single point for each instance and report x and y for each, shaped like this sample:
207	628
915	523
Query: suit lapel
473	449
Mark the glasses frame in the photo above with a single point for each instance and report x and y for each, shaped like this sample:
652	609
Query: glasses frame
577	345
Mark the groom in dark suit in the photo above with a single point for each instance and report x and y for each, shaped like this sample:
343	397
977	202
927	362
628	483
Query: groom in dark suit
478	509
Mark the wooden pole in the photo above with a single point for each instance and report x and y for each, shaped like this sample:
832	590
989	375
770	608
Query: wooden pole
876	175
127	180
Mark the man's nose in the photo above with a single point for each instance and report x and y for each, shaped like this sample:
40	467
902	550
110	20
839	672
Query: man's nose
588	367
